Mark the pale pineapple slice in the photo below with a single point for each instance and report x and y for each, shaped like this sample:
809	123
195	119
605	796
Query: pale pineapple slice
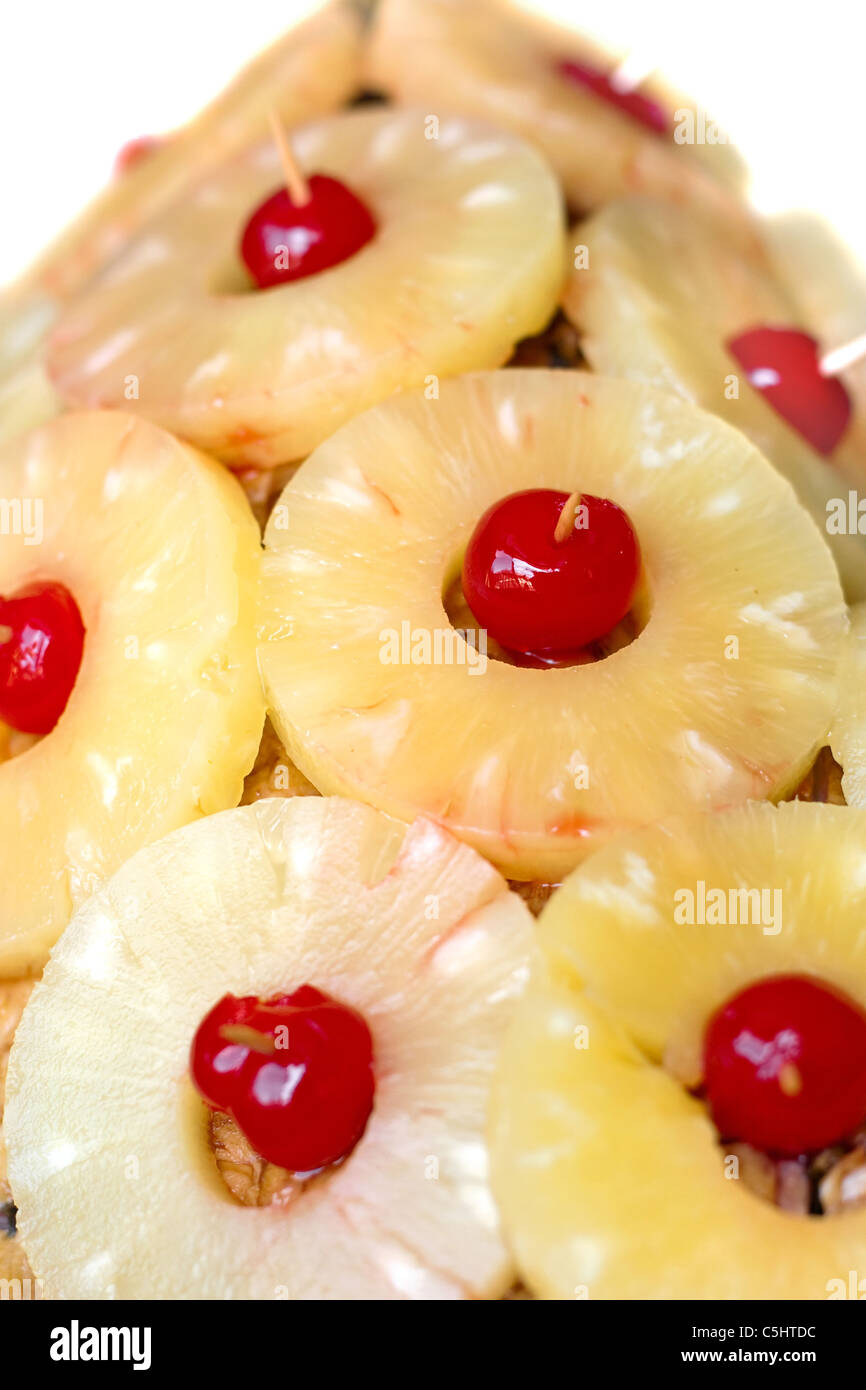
309	71
609	1174
157	545
486	59
468	258
828	285
663	290
848	728
821	273
408	926
536	768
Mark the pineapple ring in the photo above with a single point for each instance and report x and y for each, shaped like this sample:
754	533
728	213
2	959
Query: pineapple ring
488	61
157	545
27	398
829	288
309	71
468	258
323	891
848	729
609	1174
370	531
662	293
13	1262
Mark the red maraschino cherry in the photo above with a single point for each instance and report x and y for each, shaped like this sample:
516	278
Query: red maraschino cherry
536	590
295	1071
285	241
640	108
784	365
785	1066
136	152
41	643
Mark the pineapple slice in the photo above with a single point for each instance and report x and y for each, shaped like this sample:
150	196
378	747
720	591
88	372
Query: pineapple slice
158	547
14	995
25	316
662	293
407	926
829	287
487	60
13	1262
848	729
820	272
725	694
27	397
308	72
468	258
610	1175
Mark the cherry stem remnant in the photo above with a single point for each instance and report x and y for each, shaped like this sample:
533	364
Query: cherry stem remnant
845	356
296	185
565	524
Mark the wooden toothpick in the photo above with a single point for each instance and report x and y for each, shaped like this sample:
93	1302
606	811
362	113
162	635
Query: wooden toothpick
296	185
565	524
845	356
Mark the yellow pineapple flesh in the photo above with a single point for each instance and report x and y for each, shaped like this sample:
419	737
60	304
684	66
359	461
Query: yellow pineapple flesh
114	1163
848	728
828	284
13	1262
468	258
487	59
725	694
659	293
610	1175
158	547
27	398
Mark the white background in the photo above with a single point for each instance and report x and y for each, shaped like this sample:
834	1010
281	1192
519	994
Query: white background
80	77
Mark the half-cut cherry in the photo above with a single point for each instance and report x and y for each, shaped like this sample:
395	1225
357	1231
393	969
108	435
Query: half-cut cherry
535	593
41	644
640	108
295	1071
286	241
785	1066
784	365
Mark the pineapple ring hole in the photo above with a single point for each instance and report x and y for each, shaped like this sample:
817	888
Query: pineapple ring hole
249	1179
224	1161
227	1163
820	1184
823	1184
462	619
14	743
194	1124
